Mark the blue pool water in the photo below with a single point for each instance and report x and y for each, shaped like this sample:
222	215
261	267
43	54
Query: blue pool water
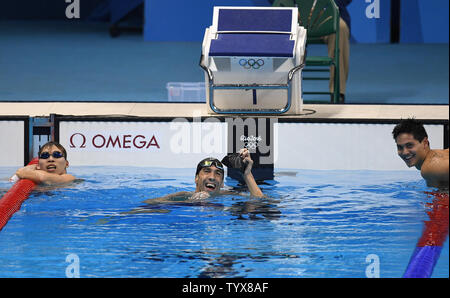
313	224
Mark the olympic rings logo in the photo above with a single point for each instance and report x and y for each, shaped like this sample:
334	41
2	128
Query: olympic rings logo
251	63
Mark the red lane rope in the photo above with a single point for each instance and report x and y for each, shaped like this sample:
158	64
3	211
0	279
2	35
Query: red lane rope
436	229
10	203
430	244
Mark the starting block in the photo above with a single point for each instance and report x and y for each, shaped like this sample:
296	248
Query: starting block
253	58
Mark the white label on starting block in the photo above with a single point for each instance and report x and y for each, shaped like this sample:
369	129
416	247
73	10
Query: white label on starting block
260	64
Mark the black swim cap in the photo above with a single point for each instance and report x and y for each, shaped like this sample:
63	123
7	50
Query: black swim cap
207	162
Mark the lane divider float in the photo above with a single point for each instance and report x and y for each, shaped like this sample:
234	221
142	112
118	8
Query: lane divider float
11	202
430	244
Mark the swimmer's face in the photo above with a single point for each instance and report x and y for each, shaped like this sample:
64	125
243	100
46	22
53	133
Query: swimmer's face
52	164
411	150
209	179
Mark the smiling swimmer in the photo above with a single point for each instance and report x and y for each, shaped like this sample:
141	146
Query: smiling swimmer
209	180
413	147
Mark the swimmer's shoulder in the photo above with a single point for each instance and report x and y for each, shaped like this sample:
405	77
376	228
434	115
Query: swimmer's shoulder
440	154
437	162
435	171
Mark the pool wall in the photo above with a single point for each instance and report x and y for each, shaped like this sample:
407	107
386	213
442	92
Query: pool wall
173	135
343	146
14	136
274	143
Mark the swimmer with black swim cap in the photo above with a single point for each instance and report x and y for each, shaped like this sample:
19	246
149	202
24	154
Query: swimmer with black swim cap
209	179
413	147
209	176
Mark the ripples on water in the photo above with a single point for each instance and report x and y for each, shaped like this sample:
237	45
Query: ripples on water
312	224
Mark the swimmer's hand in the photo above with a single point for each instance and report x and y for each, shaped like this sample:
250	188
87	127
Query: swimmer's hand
200	195
24	171
14	178
245	155
254	189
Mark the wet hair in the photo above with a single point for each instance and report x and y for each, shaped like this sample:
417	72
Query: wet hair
207	162
410	126
50	144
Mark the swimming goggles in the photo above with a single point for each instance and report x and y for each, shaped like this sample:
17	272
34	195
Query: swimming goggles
208	162
55	154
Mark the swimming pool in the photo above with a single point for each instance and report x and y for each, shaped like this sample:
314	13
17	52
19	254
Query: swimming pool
314	224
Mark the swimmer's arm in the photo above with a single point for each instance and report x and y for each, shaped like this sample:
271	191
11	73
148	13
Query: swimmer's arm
30	172
436	170
170	197
42	177
436	178
254	189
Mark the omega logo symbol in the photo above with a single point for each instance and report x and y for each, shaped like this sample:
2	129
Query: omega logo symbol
125	141
83	140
